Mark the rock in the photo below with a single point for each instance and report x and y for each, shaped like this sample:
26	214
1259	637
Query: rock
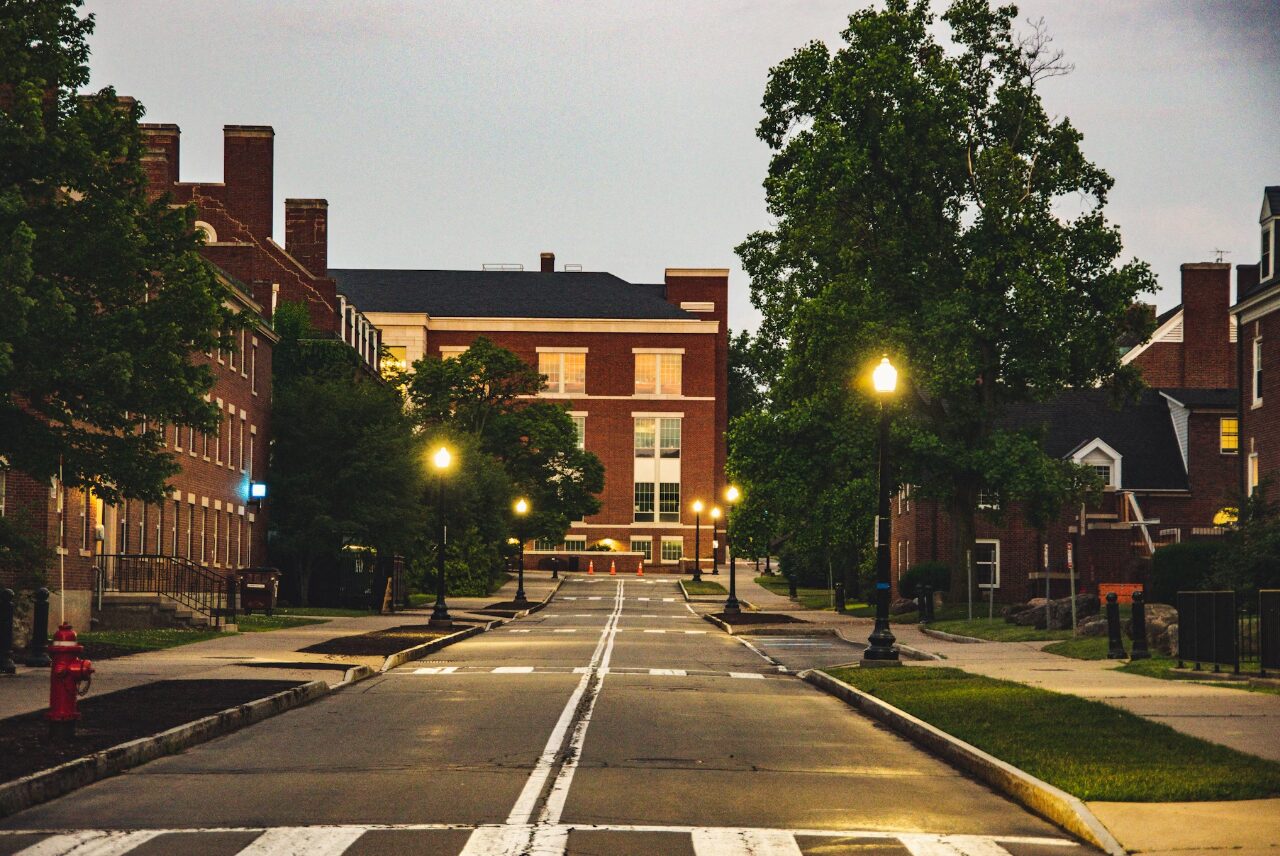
1094	625
1028	618
1060	610
903	605
1171	640
1159	617
1007	612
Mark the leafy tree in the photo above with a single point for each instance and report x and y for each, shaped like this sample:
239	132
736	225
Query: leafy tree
1249	558
926	205
104	297
748	374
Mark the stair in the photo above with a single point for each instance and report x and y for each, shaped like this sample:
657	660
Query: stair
138	610
137	591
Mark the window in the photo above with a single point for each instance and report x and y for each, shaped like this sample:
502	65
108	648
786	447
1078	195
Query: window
575	542
669	435
1229	435
566	371
204	445
217	440
669	502
191	526
86	520
644	502
990	499
395	360
1257	372
253	367
1264	266
248	547
191	441
4	488
177	438
214	552
986	564
644	442
239	539
658	374
643	546
544	544
204	534
1253	473
159	528
177	515
672	548
231	353
580	429
252	437
1104	473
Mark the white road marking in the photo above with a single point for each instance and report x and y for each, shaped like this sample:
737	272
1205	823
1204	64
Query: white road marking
92	842
303	841
595	598
744	842
668	600
642	598
563	598
655	631
680	673
566	630
951	845
753	676
517	631
513	670
693	632
521	840
436	670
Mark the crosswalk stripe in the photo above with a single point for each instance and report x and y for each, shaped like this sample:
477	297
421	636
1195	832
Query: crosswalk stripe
93	842
517	840
679	673
744	842
565	630
655	631
303	841
754	676
513	670
951	845
436	670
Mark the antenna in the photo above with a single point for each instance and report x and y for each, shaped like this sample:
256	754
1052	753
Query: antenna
1220	254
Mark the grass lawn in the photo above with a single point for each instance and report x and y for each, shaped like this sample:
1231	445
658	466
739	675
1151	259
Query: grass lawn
323	611
1087	748
258	623
704	587
1158	666
954	618
123	642
813	598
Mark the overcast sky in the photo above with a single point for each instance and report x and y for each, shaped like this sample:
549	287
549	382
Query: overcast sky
621	135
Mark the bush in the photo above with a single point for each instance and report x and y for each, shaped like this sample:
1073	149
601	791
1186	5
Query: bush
936	575
1181	567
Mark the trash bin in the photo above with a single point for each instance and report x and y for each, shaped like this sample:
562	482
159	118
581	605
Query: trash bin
258	589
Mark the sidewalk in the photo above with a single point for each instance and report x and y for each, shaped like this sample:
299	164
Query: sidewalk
271	655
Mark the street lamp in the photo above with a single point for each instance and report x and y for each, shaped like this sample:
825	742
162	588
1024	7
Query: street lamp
441	461
697	540
731	606
521	509
715	517
881	652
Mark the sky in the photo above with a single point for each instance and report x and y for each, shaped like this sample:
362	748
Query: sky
621	135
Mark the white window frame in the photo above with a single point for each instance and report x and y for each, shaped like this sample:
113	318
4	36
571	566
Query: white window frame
660	355
646	543
1222	435
670	539
996	575
576	543
1255	372
1252	475
580	425
559	353
1098	444
1267	264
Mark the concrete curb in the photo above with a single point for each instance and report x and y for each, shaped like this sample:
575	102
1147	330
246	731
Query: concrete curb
542	604
417	652
1053	804
56	781
950	637
907	651
354	675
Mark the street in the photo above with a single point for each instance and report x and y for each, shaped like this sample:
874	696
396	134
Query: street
615	721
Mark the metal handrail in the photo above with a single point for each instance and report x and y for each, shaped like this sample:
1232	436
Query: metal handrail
194	586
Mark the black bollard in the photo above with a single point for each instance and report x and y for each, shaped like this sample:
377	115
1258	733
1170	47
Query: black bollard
791	587
38	647
1115	646
840	597
924	601
1139	623
7	666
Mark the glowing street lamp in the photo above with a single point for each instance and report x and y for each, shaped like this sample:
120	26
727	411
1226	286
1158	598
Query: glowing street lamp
522	509
884	378
731	605
441	462
715	520
697	540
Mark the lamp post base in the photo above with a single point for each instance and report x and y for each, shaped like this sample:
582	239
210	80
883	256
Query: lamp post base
878	664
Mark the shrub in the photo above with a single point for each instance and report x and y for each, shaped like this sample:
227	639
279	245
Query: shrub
936	575
1181	567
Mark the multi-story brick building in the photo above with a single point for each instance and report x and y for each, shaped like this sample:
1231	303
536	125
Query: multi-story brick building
1169	463
1257	311
642	368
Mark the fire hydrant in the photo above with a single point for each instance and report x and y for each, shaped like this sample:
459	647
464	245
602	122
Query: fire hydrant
69	678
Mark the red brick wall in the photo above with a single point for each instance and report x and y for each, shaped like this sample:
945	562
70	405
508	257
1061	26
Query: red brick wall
1205	358
1260	426
1161	364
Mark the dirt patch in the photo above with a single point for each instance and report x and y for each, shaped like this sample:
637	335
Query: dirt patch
744	618
383	643
113	718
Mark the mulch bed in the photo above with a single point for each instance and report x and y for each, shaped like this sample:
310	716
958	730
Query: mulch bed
113	718
382	643
757	618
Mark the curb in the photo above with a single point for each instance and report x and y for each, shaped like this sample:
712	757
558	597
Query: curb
56	781
1053	804
907	651
950	637
542	604
417	652
771	629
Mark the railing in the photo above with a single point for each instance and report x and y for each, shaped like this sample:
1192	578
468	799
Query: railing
182	580
1213	630
1269	629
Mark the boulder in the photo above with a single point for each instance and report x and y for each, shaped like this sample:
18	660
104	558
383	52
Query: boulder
1160	617
1094	625
1171	640
1028	618
1060	610
902	606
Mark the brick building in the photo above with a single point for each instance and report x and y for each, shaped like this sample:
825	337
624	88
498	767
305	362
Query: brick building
642	368
1257	311
1169	462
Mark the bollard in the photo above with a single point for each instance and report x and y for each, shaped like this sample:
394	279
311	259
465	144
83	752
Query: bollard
7	666
840	597
1115	644
922	604
37	648
928	601
791	587
1140	650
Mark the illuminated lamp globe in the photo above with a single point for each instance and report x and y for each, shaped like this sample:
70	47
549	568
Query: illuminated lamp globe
441	458
885	376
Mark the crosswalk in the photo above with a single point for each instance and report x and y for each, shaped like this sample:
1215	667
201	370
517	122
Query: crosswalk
511	840
600	597
576	670
592	629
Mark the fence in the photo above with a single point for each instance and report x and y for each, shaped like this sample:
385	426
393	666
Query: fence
1269	629
178	579
1213	630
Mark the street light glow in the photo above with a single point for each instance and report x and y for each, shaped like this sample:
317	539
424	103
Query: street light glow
697	506
522	506
715	512
731	494
885	376
442	458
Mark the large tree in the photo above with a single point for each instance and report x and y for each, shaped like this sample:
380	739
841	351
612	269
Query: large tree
927	206
104	297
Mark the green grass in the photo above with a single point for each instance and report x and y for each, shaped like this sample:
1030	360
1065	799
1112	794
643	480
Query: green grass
323	611
417	598
704	587
812	598
258	623
1158	666
149	639
1087	748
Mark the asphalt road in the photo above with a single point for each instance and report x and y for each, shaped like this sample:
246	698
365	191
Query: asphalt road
613	722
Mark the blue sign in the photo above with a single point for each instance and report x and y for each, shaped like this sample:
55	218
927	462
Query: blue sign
257	490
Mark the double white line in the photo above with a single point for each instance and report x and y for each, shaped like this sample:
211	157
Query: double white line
532	830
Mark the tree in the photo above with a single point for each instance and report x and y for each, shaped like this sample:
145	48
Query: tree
927	206
748	374
104	297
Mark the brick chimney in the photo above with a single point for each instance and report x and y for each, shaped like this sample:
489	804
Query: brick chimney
161	157
306	233
548	262
247	154
1208	357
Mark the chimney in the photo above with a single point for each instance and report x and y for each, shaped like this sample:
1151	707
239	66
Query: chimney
161	156
247	152
306	233
1208	358
548	262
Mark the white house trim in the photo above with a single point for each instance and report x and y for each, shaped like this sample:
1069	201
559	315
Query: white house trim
1098	444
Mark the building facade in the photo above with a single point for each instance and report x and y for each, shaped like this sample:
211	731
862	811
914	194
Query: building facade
642	369
1257	311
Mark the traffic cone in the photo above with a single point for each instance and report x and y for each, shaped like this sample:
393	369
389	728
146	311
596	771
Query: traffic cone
640	569
613	568
591	567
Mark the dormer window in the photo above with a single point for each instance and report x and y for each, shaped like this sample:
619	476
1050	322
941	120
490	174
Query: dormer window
1264	266
1102	459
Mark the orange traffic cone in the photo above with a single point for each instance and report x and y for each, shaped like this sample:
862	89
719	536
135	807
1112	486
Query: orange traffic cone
613	568
591	567
640	569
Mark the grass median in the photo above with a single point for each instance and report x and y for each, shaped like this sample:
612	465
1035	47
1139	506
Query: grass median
813	598
1086	748
694	588
1157	666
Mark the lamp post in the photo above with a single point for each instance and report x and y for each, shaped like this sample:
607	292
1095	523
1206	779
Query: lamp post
715	516
441	461
731	606
697	540
521	509
881	651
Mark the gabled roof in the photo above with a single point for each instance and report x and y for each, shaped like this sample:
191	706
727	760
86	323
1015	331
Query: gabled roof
1205	399
505	294
1141	432
1270	202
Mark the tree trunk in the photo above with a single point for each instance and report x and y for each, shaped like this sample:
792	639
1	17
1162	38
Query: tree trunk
963	533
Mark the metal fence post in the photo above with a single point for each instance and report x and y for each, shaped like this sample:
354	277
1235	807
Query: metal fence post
1115	646
7	666
1139	621
37	648
840	598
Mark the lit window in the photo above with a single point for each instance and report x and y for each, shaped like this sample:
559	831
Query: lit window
670	438
986	564
1257	372
1229	432
1253	473
644	437
395	359
672	548
658	374
566	372
580	430
575	542
990	499
643	546
644	502
669	502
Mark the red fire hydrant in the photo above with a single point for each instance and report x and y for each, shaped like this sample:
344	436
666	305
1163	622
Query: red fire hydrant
66	677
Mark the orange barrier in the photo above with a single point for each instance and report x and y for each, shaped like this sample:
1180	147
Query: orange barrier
613	568
640	569
1124	591
591	568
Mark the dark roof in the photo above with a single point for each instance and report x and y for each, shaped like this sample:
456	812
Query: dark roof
504	294
1205	399
1273	198
1141	432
